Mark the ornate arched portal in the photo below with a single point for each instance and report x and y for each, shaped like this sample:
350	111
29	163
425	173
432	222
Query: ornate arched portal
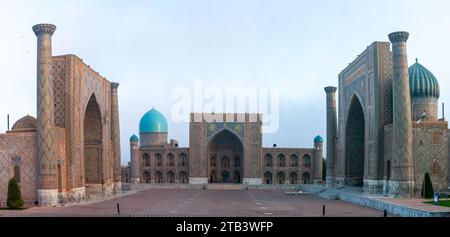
93	143
355	144
222	146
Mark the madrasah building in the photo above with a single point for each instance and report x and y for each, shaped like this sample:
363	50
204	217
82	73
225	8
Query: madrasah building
386	133
226	151
71	151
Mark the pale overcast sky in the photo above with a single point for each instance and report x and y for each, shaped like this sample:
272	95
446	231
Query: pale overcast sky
151	47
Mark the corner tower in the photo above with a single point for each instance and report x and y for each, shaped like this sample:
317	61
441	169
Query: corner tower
331	133
318	159
47	171
402	182
115	136
135	160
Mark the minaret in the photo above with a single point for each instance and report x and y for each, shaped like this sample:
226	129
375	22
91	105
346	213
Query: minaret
115	136
135	161
47	171
331	133
402	182
318	160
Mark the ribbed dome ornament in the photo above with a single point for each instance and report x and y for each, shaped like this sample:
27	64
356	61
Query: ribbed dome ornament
422	82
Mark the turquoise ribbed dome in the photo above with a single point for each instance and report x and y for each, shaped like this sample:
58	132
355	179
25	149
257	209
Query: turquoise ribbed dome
422	82
134	138
318	139
153	121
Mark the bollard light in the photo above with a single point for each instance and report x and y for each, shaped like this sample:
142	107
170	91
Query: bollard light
436	198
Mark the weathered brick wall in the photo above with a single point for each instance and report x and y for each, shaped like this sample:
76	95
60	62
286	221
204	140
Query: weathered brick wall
18	149
431	145
60	152
387	149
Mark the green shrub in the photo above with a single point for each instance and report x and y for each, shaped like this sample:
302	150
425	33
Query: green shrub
427	188
14	200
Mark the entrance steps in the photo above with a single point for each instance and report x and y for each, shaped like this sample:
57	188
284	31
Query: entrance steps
406	207
224	186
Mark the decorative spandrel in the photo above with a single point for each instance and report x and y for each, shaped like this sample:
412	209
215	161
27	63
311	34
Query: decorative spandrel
215	127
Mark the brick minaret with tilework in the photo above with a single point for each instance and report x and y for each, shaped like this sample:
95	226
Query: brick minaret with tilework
135	161
402	181
47	171
331	133
115	134
318	161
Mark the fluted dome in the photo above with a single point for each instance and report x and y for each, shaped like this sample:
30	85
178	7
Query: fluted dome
422	82
153	122
318	139
25	123
134	138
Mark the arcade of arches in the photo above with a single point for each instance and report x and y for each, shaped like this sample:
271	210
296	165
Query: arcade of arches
172	169
284	171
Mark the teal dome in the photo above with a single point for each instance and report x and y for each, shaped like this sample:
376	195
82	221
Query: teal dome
318	139
153	122
422	82
134	138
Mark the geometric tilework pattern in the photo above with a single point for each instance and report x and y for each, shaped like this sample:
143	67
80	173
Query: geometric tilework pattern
115	131
428	151
23	146
45	113
402	130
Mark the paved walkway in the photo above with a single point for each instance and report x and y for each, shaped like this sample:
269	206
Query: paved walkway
221	203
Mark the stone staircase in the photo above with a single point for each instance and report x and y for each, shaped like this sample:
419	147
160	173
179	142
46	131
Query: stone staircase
331	193
224	186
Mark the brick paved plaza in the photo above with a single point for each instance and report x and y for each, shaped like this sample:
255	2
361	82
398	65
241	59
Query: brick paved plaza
222	203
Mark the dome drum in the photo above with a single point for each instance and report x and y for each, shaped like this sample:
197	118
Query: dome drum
153	139
424	105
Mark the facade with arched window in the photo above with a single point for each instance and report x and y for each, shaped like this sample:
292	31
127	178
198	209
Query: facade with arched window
219	152
292	162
